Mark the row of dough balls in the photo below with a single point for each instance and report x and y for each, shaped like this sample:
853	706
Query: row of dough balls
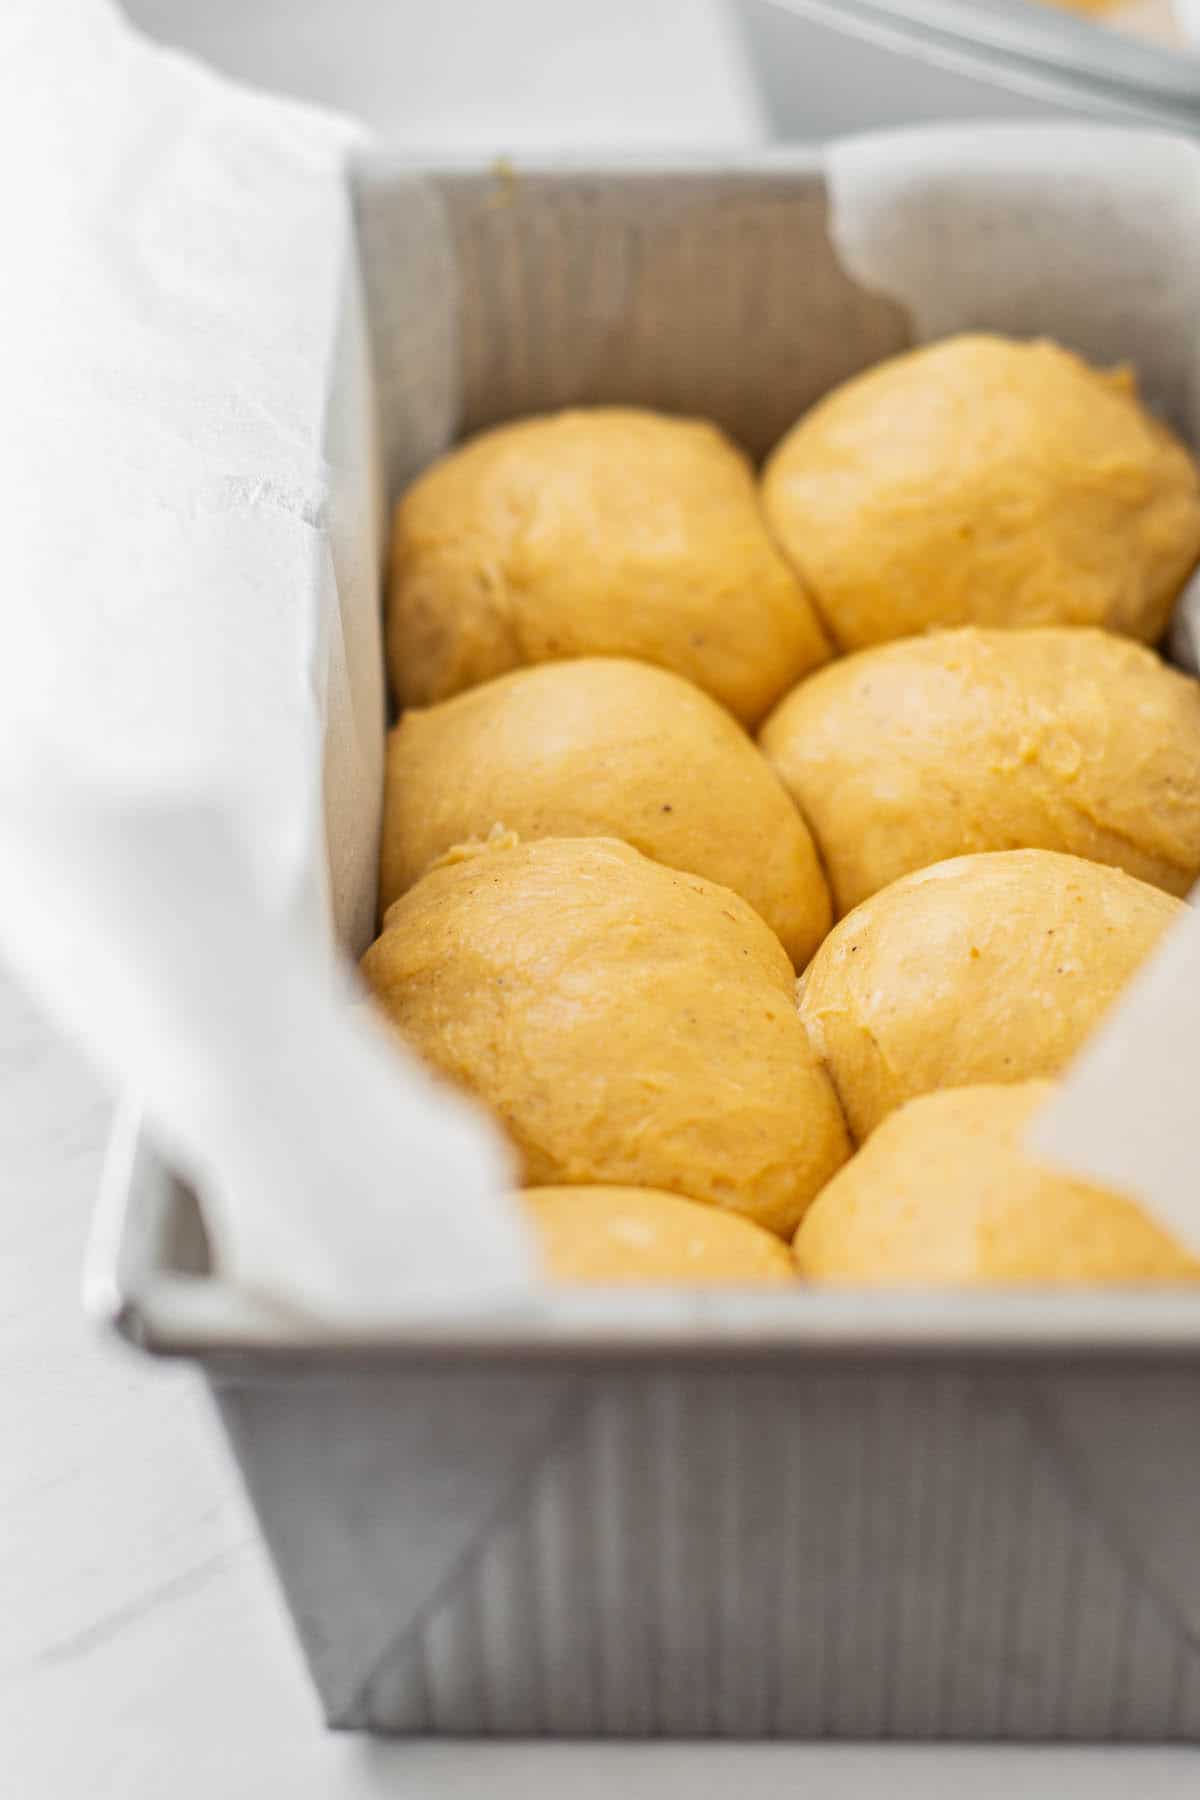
941	1192
598	1001
962	741
978	481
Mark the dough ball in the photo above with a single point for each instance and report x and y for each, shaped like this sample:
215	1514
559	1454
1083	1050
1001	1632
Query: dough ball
610	532
982	481
626	1023
1053	739
611	749
945	1192
618	1234
984	968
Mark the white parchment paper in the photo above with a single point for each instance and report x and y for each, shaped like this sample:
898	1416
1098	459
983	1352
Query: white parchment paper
190	678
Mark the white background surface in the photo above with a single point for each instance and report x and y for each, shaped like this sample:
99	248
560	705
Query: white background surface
143	1650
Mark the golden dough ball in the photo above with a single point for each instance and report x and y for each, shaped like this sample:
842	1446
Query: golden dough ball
982	481
945	1192
610	532
969	740
984	968
618	1234
1125	9
626	1023
605	748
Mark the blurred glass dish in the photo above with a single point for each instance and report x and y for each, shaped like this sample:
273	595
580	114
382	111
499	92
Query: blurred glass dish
1158	20
831	66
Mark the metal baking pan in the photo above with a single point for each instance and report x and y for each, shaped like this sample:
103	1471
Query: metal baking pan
797	1514
829	66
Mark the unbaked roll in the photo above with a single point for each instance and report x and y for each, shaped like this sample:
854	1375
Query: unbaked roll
988	482
627	1024
982	969
607	748
945	1192
608	532
618	1234
961	741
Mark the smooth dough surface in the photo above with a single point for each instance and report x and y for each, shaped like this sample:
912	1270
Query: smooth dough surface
970	740
627	1024
608	748
985	968
619	1234
609	532
988	482
944	1192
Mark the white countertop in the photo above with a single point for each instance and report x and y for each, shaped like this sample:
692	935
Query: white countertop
144	1651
